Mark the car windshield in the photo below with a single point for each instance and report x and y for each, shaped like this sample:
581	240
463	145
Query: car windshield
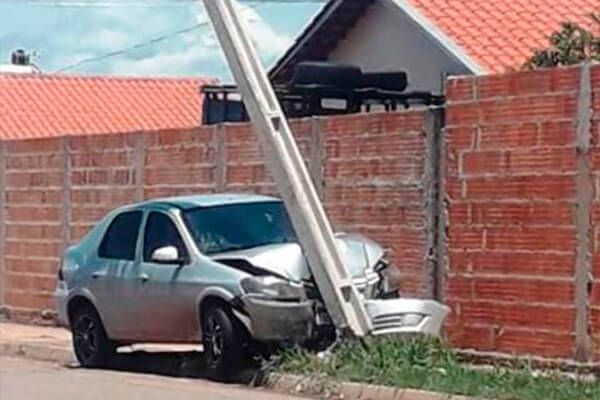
239	226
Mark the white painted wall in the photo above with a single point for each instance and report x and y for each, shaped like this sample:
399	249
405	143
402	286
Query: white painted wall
387	39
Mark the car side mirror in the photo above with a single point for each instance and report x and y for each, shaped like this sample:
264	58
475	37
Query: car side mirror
167	255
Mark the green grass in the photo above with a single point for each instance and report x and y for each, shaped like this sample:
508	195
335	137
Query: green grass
429	365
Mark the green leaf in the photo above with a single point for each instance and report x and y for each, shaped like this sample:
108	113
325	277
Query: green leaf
570	45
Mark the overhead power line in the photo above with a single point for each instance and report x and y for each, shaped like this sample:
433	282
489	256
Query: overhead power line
140	4
137	46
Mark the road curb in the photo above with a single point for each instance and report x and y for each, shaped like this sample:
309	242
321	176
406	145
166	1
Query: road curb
324	387
312	386
36	351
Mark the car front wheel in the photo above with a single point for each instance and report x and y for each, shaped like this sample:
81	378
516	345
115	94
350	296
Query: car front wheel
92	346
223	344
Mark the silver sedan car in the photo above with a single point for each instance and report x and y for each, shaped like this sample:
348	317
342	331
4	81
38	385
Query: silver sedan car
222	270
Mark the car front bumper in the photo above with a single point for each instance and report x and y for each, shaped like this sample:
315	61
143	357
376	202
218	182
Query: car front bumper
272	320
406	316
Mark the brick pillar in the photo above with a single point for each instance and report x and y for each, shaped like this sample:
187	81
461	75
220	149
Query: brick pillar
66	207
434	205
220	146
139	164
584	204
317	153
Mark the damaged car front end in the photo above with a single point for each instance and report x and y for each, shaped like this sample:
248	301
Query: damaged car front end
281	301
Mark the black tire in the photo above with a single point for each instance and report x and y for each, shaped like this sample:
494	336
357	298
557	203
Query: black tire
223	344
324	338
92	346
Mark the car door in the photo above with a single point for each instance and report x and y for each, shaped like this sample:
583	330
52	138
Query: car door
116	274
164	298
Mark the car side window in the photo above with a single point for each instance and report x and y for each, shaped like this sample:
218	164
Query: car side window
120	239
161	232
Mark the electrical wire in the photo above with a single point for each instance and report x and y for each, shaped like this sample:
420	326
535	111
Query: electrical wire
139	4
137	46
124	3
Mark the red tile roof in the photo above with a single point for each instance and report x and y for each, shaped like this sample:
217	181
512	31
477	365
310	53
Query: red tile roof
503	34
33	106
496	34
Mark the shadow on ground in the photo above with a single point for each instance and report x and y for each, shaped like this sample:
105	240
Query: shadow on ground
181	365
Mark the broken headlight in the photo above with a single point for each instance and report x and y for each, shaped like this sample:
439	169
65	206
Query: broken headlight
272	287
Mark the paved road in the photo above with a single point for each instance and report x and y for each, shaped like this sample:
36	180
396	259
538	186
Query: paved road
22	379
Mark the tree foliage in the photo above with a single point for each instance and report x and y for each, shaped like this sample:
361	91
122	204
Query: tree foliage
573	44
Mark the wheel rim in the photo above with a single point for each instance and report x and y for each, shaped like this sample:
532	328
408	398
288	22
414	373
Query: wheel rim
214	340
85	337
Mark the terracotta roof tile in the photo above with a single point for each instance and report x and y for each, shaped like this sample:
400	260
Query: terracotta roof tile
500	35
515	27
33	106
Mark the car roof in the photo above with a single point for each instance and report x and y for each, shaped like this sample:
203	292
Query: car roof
205	200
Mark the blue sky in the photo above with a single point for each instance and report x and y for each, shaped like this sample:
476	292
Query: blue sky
64	32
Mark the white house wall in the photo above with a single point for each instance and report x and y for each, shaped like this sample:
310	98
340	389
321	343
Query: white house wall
387	39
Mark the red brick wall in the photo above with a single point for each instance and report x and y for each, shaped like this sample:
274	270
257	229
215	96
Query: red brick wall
510	168
34	174
102	178
374	185
369	169
595	159
179	162
510	181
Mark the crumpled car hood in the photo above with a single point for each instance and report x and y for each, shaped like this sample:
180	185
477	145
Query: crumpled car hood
287	260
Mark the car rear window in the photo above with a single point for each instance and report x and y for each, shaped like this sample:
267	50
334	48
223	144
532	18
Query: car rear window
121	237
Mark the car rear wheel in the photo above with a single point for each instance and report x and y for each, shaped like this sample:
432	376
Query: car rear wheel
223	344
92	346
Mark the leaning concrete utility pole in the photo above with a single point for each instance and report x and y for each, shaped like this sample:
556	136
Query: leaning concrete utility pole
344	303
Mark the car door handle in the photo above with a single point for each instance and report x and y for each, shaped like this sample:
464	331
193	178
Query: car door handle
144	277
97	275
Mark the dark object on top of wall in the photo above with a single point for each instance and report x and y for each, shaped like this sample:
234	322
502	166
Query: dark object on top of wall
323	88
342	76
346	76
222	103
20	57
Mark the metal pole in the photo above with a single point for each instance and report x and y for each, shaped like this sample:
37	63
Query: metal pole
344	303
